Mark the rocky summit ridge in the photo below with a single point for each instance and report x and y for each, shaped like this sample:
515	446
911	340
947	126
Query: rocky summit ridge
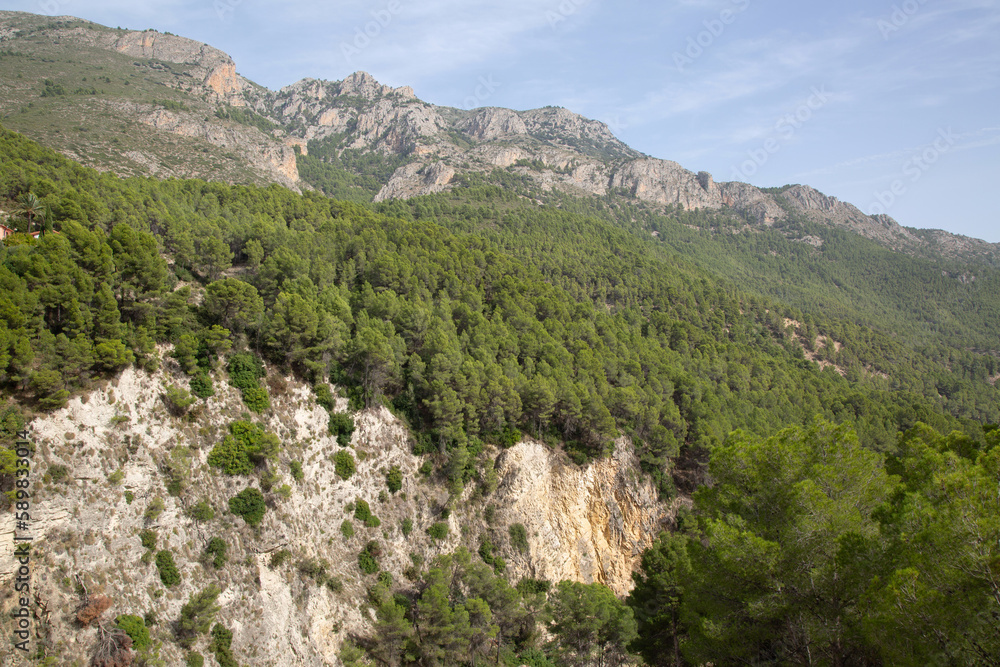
218	125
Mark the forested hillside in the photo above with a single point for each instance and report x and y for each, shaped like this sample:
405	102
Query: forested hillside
479	317
552	323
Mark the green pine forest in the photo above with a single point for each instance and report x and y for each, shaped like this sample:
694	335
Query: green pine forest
841	515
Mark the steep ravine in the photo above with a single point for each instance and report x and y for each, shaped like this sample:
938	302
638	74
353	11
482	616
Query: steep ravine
583	523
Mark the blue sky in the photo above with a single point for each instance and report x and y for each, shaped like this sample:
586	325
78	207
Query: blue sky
893	105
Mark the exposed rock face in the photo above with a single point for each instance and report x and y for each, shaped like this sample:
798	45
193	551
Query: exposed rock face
413	179
584	524
492	123
379	117
591	178
831	211
568	125
218	69
664	182
500	156
749	200
365	85
274	161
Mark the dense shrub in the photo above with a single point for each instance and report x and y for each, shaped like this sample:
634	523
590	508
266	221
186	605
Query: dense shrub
249	504
215	552
394	479
487	551
201	511
438	530
148	538
344	464
368	558
324	397
257	399
221	645
528	586
347	529
135	628
518	537
296	469
178	400
245	371
169	574
202	386
197	615
246	446
342	425
363	513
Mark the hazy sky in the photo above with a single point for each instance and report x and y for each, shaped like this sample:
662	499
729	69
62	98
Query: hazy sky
893	105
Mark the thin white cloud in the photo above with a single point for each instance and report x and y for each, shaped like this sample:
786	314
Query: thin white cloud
987	136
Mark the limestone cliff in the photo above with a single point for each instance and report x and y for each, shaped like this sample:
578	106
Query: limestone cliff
119	442
584	524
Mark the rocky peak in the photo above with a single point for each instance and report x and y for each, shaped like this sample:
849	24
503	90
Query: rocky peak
567	123
492	123
169	48
806	198
364	85
705	181
832	211
664	182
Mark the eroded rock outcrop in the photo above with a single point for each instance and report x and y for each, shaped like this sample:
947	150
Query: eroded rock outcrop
120	442
664	182
587	524
493	123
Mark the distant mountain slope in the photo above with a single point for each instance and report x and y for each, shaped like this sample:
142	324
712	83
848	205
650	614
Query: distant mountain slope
159	104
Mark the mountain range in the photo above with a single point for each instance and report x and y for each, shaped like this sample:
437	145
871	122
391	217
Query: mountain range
151	103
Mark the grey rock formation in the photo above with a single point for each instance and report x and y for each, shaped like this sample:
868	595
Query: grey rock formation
493	123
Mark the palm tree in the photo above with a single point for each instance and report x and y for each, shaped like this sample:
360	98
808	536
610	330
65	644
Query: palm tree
30	207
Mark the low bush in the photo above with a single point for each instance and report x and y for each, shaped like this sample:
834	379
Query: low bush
363	513
197	615
368	558
394	479
518	537
438	530
135	628
342	425
169	574
148	538
221	645
279	557
202	386
201	511
215	552
344	464
249	504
